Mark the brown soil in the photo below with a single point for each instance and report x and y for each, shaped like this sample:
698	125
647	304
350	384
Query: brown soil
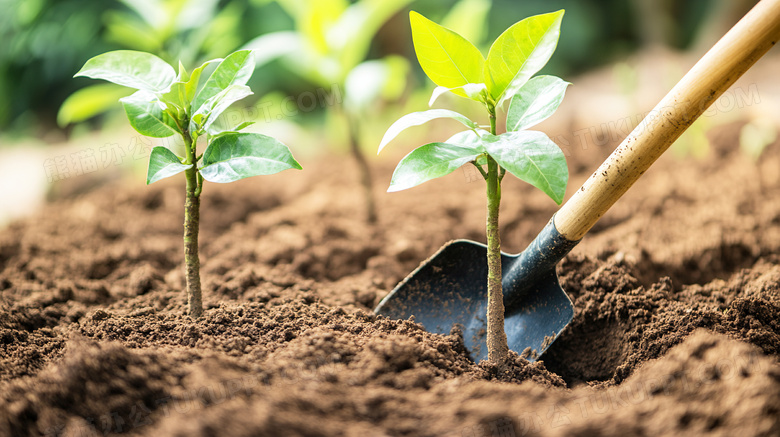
676	330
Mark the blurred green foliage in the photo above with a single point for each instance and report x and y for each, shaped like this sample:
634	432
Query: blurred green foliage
45	41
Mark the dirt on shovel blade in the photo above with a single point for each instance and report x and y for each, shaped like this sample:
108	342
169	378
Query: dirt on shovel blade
676	329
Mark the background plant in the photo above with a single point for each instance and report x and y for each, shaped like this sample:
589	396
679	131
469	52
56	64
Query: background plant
166	104
328	48
457	66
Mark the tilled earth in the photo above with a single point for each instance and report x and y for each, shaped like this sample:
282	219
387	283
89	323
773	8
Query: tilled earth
676	330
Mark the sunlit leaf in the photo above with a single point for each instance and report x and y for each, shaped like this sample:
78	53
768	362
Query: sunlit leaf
474	91
236	156
162	164
447	58
535	102
429	162
212	108
236	69
129	68
520	52
147	115
418	118
532	157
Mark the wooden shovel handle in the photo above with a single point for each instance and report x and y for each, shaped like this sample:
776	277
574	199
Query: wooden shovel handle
737	51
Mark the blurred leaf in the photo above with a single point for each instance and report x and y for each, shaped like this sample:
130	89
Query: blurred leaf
756	135
447	58
147	116
520	52
132	69
418	118
128	31
535	102
429	162
274	45
474	91
89	102
373	80
532	157
236	69
356	28
470	19
236	156
162	164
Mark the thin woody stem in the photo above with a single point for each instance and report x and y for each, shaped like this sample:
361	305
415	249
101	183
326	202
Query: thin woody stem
498	350
191	225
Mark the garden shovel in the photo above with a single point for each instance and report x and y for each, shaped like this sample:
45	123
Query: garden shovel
451	286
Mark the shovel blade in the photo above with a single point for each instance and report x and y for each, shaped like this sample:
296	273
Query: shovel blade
451	288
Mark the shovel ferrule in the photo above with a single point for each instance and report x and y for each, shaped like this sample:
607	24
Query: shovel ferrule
536	261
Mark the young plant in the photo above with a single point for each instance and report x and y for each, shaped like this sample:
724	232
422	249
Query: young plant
328	48
455	65
167	104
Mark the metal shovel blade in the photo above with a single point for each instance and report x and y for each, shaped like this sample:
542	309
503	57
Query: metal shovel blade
451	287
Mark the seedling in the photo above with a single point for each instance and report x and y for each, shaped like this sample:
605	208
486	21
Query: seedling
328	47
168	104
457	66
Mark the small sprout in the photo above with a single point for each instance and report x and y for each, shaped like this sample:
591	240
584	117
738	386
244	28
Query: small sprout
457	66
168	103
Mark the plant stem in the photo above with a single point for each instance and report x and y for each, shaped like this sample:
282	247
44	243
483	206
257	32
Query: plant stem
191	225
496	336
365	169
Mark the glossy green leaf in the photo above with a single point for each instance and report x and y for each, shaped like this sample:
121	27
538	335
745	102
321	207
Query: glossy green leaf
147	115
428	162
162	164
469	139
418	118
447	58
474	91
532	157
520	52
212	108
236	69
191	87
535	102
129	68
236	156
89	102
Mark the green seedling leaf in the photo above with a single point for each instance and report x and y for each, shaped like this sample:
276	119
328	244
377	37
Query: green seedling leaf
129	68
532	157
535	102
212	108
418	118
519	52
147	115
162	164
191	86
233	70
447	58
430	161
474	91
232	157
